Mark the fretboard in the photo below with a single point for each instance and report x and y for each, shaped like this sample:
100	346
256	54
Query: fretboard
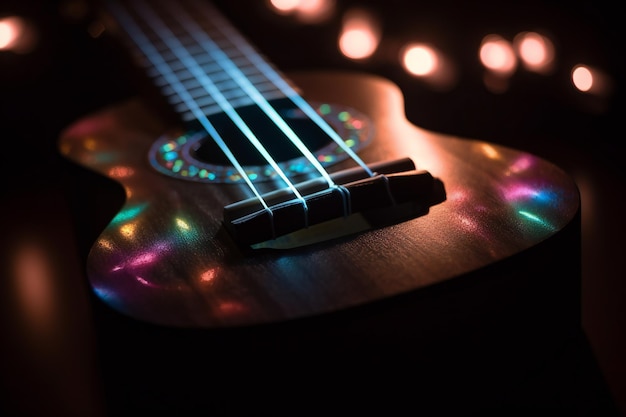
197	59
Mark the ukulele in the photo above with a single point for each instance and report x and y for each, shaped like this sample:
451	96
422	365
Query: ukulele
274	198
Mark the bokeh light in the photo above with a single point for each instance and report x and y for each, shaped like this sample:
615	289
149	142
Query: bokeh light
305	11
16	35
428	63
497	55
536	52
360	35
590	80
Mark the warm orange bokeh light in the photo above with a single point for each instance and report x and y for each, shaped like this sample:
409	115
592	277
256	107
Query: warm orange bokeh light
306	11
33	271
535	51
591	80
496	54
582	78
285	6
359	37
419	59
16	35
428	63
10	30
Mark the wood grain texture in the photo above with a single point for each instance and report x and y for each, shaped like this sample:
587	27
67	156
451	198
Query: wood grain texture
166	258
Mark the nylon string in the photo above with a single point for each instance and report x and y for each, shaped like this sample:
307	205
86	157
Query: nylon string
284	87
143	43
192	65
236	74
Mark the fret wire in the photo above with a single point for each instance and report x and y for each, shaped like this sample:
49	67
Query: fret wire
135	32
195	50
227	64
175	46
281	83
230	49
221	80
208	106
213	28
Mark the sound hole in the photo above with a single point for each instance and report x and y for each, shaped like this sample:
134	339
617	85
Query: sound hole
193	155
266	130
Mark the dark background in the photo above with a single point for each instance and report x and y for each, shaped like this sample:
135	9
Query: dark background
70	73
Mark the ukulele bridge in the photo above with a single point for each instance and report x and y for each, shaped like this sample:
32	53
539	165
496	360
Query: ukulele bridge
282	218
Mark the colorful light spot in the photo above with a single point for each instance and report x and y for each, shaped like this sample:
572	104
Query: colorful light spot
170	156
182	224
175	157
169	146
128	230
128	213
535	219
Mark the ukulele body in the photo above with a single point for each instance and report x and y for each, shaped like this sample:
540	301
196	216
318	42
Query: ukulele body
457	310
165	257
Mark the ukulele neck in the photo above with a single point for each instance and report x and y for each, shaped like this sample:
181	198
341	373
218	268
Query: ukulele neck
200	63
